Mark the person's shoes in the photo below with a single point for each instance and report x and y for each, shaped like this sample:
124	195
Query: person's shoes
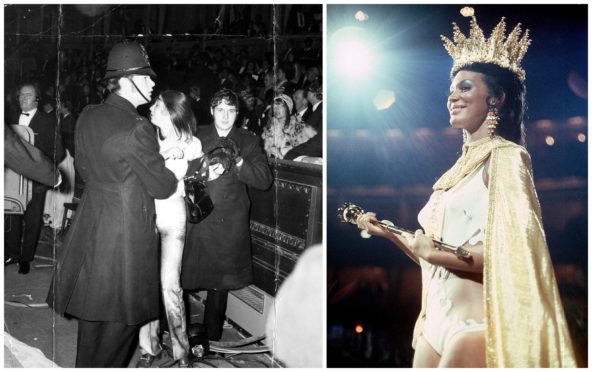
9	261
24	267
146	360
184	362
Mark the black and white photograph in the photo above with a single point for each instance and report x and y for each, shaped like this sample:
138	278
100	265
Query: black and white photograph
163	185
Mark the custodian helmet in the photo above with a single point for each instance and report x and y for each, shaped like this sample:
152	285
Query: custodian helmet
128	58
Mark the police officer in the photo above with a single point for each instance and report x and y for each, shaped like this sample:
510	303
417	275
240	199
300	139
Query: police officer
107	275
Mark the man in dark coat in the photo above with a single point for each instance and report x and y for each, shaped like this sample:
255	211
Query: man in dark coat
47	139
107	275
217	254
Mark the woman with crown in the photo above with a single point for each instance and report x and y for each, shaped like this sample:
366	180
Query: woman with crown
500	307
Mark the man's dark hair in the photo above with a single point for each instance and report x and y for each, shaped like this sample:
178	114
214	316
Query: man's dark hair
224	96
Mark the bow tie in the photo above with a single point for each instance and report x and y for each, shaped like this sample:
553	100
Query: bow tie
25	113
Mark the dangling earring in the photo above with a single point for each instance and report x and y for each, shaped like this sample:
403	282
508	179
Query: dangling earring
492	119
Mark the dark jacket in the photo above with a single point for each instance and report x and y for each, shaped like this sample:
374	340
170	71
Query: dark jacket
217	251
47	137
313	148
67	130
108	269
48	140
315	119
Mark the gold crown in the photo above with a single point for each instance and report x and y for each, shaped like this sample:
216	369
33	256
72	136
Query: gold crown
504	52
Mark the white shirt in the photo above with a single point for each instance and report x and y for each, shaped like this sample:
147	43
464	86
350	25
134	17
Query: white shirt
314	107
25	120
301	113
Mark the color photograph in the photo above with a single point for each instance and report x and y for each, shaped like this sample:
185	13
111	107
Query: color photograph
457	185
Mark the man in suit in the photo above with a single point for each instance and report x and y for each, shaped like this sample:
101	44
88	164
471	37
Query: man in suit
303	108
48	140
198	106
107	274
311	151
217	254
67	126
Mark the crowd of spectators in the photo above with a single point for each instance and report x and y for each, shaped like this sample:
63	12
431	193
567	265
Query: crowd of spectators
195	68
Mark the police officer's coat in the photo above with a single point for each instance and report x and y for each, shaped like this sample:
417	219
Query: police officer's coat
108	267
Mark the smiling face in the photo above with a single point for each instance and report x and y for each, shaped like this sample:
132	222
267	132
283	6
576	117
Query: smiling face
467	102
27	97
224	116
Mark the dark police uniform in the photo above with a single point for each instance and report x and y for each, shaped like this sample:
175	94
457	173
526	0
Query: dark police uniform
108	270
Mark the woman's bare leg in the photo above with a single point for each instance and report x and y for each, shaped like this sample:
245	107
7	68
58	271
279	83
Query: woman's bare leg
465	350
425	355
172	243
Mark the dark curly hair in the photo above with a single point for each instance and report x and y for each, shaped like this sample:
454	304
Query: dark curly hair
224	96
501	81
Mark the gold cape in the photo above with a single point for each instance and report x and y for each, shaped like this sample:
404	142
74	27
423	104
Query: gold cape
526	325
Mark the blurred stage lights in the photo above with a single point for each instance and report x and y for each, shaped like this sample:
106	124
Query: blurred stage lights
544	124
359	328
394	133
333	133
582	137
362	133
361	16
550	140
576	121
351	53
384	99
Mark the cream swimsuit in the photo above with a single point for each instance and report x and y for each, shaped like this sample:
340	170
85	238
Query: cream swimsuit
465	219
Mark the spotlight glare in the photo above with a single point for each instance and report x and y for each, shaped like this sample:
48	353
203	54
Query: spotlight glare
582	137
384	99
354	59
361	16
351	53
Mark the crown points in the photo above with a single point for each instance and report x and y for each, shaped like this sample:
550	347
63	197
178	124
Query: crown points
506	52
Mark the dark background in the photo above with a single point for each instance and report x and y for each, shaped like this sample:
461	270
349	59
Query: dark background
386	161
